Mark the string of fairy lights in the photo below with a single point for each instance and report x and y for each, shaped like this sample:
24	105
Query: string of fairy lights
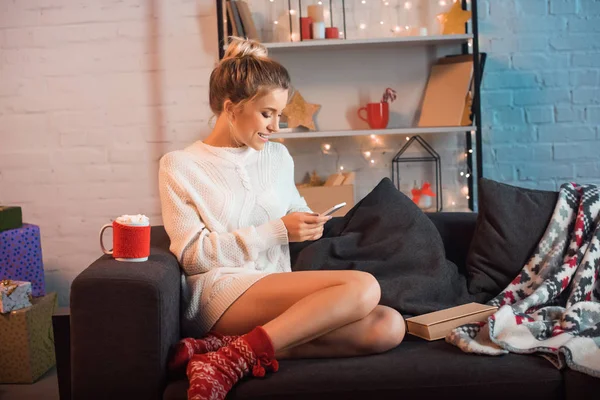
464	172
400	26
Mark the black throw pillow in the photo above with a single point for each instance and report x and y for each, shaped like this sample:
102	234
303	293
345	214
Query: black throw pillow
387	235
510	224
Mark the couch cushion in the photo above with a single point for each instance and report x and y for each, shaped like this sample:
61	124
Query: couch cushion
388	236
415	369
510	224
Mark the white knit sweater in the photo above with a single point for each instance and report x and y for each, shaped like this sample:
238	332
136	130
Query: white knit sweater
222	210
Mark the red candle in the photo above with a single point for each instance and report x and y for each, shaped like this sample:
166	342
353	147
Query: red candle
306	26
332	33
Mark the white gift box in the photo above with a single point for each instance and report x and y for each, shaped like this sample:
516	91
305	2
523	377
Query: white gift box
14	295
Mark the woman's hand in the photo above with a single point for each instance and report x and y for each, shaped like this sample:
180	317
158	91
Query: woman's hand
302	226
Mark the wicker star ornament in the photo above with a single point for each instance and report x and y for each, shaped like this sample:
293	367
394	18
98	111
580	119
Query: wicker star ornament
300	113
453	22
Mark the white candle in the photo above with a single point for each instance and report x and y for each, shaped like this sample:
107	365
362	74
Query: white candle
318	30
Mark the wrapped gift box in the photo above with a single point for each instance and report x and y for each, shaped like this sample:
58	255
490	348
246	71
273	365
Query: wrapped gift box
10	218
27	345
21	257
14	295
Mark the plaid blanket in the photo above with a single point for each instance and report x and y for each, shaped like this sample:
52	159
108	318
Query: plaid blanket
552	307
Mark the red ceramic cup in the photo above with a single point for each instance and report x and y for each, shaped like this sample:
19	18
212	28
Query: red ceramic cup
332	33
378	115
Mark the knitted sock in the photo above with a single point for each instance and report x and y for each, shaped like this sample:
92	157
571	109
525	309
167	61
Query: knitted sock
212	375
186	348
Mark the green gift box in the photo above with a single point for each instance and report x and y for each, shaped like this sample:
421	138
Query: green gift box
10	218
27	344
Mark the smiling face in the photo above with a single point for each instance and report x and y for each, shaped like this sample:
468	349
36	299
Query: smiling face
259	118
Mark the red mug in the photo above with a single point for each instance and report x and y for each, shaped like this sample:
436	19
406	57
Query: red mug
131	238
378	114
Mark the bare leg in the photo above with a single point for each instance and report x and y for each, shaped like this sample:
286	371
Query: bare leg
298	307
382	330
320	313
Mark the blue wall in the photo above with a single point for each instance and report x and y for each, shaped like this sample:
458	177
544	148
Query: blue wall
540	94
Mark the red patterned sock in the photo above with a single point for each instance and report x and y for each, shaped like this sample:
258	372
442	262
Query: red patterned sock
186	348
213	374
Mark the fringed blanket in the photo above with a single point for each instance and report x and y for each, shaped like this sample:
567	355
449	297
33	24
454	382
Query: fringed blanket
552	307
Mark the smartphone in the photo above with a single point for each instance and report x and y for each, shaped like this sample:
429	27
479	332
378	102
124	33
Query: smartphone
334	209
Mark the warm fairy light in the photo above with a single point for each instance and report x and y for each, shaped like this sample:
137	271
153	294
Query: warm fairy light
472	132
468	175
320	3
470	150
407	138
453	203
468	197
397	29
387	3
327	146
367	154
381	22
292	12
465	190
372	161
407	27
364	1
293	37
341	167
362	26
372	136
442	3
275	22
408	5
462	173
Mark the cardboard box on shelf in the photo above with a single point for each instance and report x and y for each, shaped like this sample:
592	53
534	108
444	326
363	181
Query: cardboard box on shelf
321	198
438	324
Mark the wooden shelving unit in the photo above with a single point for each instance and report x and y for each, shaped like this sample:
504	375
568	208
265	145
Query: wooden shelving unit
392	41
468	43
394	131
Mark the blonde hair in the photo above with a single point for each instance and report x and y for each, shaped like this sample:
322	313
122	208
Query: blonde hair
244	73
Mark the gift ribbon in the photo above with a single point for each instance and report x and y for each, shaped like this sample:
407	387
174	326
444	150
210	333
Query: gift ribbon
424	191
6	282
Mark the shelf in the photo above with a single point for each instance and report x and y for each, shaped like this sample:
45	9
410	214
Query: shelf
401	40
394	131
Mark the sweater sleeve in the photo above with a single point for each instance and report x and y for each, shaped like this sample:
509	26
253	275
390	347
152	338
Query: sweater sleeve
297	203
199	250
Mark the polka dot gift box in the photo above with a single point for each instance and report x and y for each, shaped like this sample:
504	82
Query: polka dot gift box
21	257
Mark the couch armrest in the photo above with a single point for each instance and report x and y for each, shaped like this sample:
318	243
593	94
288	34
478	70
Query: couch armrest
124	319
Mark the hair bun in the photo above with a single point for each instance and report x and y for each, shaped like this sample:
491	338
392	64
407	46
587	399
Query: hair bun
239	47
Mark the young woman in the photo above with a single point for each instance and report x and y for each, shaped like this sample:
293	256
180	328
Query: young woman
230	208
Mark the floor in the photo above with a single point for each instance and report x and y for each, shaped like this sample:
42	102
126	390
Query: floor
46	388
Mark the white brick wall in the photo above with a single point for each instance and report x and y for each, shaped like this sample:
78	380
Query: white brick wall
92	93
540	91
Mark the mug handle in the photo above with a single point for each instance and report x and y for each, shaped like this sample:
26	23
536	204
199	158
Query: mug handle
360	116
101	243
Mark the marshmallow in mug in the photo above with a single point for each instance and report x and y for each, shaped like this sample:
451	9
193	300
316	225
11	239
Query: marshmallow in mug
138	219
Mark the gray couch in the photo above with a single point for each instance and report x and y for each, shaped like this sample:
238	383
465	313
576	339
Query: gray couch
125	317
